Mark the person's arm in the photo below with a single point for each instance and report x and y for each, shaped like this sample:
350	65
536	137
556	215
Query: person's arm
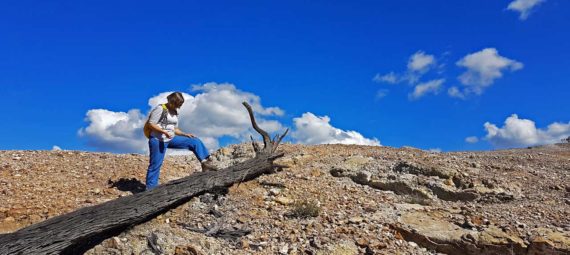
157	128
177	131
154	117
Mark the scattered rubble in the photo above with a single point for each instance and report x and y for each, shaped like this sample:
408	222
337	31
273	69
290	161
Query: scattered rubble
370	200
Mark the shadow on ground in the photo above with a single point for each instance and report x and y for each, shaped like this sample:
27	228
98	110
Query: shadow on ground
133	185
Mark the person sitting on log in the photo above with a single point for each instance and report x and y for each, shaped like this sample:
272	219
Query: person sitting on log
162	131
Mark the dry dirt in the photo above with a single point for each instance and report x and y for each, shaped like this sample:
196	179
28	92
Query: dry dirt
366	200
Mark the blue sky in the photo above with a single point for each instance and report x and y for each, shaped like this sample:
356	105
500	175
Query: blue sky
308	59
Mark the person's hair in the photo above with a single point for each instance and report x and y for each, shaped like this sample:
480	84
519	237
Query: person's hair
175	99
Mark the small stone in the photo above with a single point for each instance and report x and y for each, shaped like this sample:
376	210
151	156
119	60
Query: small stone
413	244
242	219
284	200
362	242
355	220
284	249
274	191
115	243
244	244
186	250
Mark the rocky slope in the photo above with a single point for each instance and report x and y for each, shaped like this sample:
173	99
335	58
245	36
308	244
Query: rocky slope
333	199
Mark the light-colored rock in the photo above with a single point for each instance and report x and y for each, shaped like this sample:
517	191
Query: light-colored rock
284	200
547	242
342	248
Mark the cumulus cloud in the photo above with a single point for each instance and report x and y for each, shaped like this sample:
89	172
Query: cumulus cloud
524	7
114	131
523	132
483	68
312	129
55	148
419	63
471	139
391	78
422	89
216	111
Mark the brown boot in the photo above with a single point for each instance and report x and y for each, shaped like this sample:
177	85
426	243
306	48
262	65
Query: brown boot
207	165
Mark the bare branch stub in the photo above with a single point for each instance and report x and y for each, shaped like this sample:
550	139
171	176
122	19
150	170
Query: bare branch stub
255	145
279	140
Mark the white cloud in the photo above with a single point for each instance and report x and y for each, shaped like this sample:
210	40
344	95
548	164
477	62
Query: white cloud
455	92
418	64
523	132
483	67
471	139
524	7
311	129
114	131
426	88
56	148
391	78
216	111
421	62
435	150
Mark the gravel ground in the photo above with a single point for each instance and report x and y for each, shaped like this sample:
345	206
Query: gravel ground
333	199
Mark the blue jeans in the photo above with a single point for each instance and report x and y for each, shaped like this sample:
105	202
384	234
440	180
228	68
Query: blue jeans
157	150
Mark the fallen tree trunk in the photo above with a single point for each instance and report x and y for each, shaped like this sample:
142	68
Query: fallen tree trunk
82	229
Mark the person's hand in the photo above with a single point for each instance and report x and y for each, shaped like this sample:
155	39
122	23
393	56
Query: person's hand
190	135
168	135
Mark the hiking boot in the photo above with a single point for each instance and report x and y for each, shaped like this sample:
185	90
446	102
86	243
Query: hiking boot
207	165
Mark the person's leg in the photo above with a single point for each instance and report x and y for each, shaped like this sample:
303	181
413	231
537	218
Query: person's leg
190	143
157	150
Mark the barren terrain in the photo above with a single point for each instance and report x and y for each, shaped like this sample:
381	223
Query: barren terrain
358	200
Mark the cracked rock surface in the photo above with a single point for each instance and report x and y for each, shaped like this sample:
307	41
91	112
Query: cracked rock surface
368	200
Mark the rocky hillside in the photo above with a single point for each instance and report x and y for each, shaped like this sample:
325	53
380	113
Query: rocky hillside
333	199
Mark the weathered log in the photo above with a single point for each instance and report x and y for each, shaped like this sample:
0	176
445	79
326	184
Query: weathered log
82	229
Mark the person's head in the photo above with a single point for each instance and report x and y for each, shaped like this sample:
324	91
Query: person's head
175	100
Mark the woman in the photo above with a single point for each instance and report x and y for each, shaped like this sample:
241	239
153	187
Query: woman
163	123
